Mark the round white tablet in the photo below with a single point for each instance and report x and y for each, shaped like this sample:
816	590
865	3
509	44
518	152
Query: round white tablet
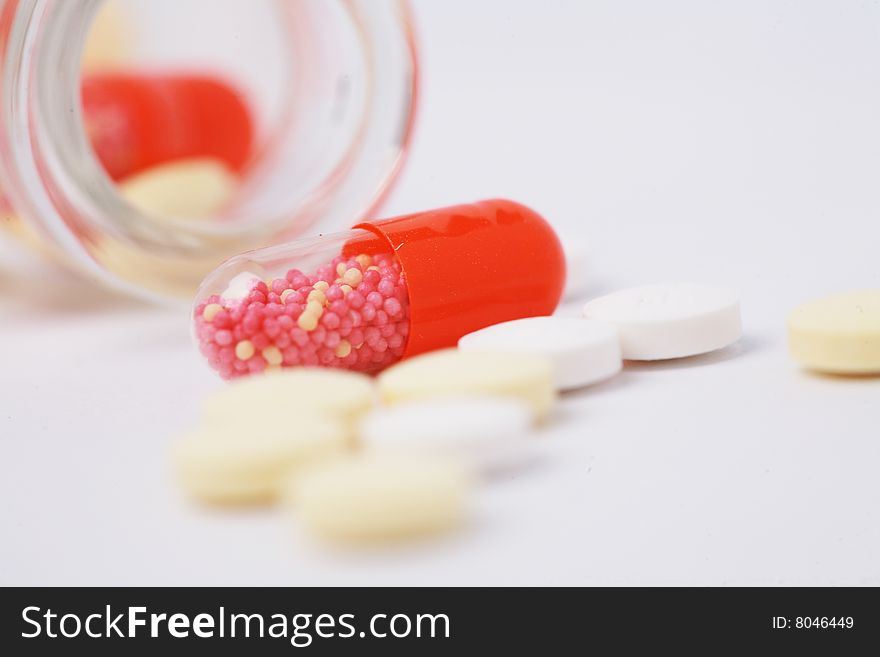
381	497
582	351
670	321
486	432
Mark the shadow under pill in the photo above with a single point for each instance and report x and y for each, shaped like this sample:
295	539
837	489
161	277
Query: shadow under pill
622	379
742	347
840	376
50	294
373	553
527	463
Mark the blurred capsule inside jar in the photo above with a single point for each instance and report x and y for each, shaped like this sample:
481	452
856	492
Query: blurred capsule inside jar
152	110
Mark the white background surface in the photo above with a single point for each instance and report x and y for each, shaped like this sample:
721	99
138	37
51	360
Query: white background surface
732	142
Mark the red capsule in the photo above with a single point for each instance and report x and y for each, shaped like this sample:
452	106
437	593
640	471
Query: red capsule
138	121
384	291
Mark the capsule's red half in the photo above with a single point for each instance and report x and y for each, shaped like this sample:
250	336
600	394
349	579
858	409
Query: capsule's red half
136	121
472	266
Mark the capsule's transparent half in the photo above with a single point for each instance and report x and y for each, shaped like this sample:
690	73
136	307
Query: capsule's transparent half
339	300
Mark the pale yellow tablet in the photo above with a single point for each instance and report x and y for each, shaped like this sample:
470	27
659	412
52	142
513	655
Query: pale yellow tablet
380	497
247	462
452	372
283	396
108	44
183	189
839	334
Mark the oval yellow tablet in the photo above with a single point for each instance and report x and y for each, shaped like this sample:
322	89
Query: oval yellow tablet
247	462
381	497
838	334
183	189
110	37
452	372
282	396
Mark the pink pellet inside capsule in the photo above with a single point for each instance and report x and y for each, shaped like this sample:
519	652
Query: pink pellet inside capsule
352	313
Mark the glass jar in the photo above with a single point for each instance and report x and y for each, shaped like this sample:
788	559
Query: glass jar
332	85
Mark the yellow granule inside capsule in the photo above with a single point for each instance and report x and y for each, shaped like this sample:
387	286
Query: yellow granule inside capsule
286	294
244	350
210	311
315	308
373	268
343	349
308	321
321	285
345	288
340	269
273	355
317	296
364	260
353	277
